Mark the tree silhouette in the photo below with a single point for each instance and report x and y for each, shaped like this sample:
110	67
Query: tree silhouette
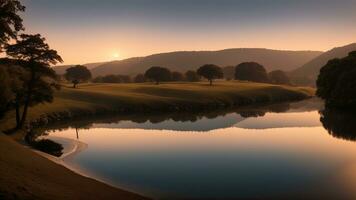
336	83
10	21
139	78
34	55
77	74
158	74
192	76
5	94
251	71
229	72
210	72
177	76
278	77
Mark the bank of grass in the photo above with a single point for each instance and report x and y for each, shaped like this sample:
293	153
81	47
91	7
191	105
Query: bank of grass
93	99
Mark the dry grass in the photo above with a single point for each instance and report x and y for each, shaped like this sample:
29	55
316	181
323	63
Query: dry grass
166	97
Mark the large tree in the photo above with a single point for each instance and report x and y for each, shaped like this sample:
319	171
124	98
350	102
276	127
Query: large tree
77	74
34	55
10	21
278	77
6	93
336	83
158	74
251	71
210	72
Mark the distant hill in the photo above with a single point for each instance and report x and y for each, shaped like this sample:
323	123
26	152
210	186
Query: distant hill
61	69
188	60
308	73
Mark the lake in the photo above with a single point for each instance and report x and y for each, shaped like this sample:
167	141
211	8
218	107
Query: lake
263	152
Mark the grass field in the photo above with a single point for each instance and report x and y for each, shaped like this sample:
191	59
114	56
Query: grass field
91	99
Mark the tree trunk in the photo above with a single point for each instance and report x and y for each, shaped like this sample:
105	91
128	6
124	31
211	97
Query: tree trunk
211	81
74	85
28	99
157	82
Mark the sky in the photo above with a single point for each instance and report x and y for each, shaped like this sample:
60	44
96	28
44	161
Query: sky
85	31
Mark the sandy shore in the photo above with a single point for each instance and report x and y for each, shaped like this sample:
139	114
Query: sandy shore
28	175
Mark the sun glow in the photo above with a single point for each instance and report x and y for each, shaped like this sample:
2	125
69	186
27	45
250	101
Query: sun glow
116	55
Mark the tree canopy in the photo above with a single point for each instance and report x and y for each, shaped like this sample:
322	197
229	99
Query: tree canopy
278	77
210	72
77	74
192	76
336	83
139	78
158	74
177	76
34	55
10	21
251	71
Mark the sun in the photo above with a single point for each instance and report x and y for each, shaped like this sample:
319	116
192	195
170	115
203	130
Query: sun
115	55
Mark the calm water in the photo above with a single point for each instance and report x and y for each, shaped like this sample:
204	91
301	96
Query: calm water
278	151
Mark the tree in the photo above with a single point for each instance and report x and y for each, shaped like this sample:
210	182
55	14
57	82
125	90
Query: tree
6	93
192	76
158	74
177	76
210	72
10	21
229	72
278	77
336	83
77	74
139	78
251	71
34	55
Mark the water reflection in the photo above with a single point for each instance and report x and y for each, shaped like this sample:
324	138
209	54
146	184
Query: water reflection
339	124
203	121
266	152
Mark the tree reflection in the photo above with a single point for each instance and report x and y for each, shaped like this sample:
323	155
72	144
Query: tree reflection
339	124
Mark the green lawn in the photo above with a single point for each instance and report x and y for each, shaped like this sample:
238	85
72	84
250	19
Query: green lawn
166	97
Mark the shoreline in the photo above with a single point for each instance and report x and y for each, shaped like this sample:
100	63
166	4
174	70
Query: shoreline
71	104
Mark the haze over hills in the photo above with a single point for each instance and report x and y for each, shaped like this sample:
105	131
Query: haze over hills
308	73
61	69
188	60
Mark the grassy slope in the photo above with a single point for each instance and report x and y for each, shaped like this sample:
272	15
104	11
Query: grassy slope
101	98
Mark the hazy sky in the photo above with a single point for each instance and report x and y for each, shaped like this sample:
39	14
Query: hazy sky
99	30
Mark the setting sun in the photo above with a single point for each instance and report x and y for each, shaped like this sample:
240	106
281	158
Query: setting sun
115	55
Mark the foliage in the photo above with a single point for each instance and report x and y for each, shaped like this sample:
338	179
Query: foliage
77	74
177	76
210	72
6	94
39	80
10	21
112	79
229	72
48	146
336	83
278	77
158	74
251	71
139	78
192	76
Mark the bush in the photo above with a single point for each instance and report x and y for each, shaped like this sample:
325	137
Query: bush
48	146
336	83
192	76
278	77
251	71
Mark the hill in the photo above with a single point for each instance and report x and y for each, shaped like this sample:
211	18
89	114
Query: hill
61	69
308	73
187	60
